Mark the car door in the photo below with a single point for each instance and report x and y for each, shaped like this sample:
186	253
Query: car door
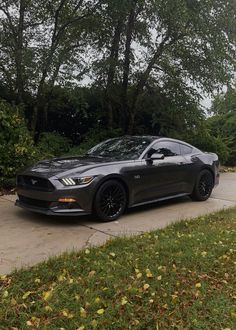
160	178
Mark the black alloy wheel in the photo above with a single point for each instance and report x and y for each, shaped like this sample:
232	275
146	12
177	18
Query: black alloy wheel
203	187
110	201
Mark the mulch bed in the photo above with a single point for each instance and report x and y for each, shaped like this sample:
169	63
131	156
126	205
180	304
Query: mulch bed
7	191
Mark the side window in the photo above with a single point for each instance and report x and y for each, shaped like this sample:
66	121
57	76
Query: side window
185	150
166	148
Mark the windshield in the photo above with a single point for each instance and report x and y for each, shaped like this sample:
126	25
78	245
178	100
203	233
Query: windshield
120	148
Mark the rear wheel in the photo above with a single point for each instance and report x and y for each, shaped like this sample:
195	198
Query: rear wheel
110	201
203	187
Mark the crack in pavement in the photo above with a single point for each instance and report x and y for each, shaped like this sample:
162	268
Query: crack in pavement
98	230
88	239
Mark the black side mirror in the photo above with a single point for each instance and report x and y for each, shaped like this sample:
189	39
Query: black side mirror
155	156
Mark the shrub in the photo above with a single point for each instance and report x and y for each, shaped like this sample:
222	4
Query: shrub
16	144
207	142
225	126
53	144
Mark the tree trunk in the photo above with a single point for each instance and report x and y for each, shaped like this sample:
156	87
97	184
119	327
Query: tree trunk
19	53
127	59
34	119
143	80
110	114
130	124
44	117
113	59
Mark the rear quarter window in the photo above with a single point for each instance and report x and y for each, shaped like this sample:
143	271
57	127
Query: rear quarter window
185	150
167	148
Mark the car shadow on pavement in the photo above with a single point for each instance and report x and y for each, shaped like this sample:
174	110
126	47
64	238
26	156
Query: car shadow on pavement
72	221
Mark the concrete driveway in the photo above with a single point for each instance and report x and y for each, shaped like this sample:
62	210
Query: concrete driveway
27	238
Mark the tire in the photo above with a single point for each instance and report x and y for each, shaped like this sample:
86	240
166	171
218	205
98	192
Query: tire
203	186
110	201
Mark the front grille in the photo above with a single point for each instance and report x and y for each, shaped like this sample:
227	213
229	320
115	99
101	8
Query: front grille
35	183
34	202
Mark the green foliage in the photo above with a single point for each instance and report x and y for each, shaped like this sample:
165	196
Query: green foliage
178	43
92	138
223	122
206	142
53	144
73	111
171	113
224	103
16	144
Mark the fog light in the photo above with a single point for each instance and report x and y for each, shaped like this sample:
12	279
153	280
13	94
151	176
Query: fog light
66	200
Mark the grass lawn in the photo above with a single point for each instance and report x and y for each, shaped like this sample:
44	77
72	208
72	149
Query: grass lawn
182	277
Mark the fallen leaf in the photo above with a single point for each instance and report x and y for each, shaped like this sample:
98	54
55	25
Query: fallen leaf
61	278
94	323
92	273
100	311
146	286
13	301
48	308
148	273
26	295
124	301
29	323
46	295
83	312
5	294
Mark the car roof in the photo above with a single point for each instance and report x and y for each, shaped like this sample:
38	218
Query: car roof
174	140
153	138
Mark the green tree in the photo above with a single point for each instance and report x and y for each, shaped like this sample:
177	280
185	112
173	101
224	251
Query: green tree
43	43
223	122
189	41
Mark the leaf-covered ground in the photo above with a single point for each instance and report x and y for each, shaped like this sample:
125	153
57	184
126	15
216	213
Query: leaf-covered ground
227	169
182	277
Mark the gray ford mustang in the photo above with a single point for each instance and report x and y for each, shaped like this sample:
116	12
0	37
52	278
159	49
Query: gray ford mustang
116	174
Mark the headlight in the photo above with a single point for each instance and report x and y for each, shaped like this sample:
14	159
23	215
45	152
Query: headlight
76	181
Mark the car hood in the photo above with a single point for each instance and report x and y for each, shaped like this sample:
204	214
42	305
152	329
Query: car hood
58	166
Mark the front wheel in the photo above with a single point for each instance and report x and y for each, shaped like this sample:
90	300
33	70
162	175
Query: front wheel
203	187
110	201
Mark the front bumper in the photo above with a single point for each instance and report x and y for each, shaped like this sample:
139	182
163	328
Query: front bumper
51	210
46	202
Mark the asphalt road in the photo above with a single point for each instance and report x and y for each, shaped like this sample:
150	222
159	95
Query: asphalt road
27	238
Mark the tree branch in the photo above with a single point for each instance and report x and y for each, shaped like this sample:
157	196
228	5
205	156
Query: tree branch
6	12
